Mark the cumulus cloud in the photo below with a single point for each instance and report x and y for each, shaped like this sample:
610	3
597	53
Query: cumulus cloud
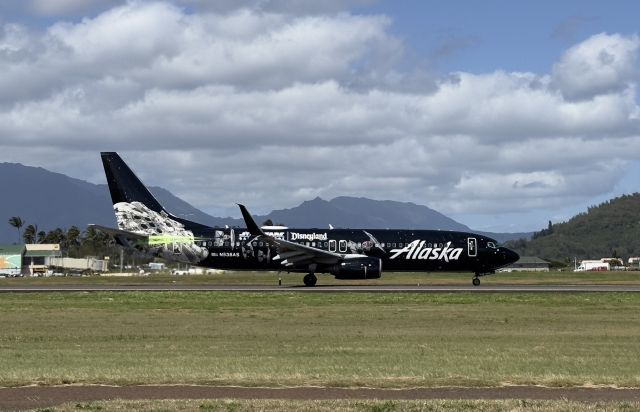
601	64
159	46
270	108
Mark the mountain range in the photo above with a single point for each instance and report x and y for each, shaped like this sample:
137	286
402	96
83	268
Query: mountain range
51	200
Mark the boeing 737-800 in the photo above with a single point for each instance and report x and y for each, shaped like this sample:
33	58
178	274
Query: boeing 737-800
143	223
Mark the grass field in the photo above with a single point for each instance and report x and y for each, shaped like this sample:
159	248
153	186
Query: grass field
346	405
376	340
271	278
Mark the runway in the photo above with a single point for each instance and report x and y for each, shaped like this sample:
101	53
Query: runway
325	289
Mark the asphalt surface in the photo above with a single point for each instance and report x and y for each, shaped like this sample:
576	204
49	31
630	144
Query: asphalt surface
325	288
46	396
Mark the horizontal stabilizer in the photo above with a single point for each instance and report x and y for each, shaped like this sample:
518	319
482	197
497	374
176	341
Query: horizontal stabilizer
118	232
123	237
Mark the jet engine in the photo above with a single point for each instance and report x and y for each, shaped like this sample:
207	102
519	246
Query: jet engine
358	268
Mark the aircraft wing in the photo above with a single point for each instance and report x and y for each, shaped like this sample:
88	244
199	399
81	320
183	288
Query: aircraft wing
294	254
290	253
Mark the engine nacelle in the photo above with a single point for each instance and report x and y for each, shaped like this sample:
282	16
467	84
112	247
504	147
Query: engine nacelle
358	268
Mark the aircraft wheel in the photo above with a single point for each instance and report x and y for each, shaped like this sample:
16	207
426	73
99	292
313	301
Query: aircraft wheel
476	281
310	280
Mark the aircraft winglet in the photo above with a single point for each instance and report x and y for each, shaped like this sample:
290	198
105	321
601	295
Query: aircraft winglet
253	228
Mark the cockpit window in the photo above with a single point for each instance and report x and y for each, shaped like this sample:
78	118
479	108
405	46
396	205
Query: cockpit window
491	245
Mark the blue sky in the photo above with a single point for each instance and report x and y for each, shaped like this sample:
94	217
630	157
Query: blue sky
500	114
501	34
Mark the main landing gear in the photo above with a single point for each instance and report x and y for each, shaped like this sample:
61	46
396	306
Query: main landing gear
310	279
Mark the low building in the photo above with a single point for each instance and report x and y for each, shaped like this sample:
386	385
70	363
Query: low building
36	257
42	259
528	264
11	260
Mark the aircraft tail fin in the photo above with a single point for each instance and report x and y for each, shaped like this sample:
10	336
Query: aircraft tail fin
124	185
137	210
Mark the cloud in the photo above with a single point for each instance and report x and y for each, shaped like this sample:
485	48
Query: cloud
129	44
273	108
601	64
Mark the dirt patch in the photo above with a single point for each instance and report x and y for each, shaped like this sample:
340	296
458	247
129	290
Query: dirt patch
44	396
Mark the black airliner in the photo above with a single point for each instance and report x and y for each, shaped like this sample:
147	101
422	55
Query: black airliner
345	253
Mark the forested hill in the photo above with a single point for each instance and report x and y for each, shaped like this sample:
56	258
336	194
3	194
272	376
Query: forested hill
611	229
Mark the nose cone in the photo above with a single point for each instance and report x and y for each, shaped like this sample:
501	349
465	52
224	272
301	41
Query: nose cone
509	256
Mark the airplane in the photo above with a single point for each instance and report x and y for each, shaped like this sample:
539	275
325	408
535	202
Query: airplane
144	224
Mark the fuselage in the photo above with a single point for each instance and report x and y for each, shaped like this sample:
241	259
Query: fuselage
398	250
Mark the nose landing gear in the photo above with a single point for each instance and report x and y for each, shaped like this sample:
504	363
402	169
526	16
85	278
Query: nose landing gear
476	278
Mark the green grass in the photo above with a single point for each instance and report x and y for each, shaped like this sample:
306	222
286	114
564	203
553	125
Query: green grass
271	278
345	405
377	340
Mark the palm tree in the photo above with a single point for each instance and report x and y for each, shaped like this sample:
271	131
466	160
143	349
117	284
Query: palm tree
73	236
30	233
16	222
55	236
41	236
71	241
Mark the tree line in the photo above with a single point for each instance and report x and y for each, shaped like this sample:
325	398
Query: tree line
73	241
607	230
